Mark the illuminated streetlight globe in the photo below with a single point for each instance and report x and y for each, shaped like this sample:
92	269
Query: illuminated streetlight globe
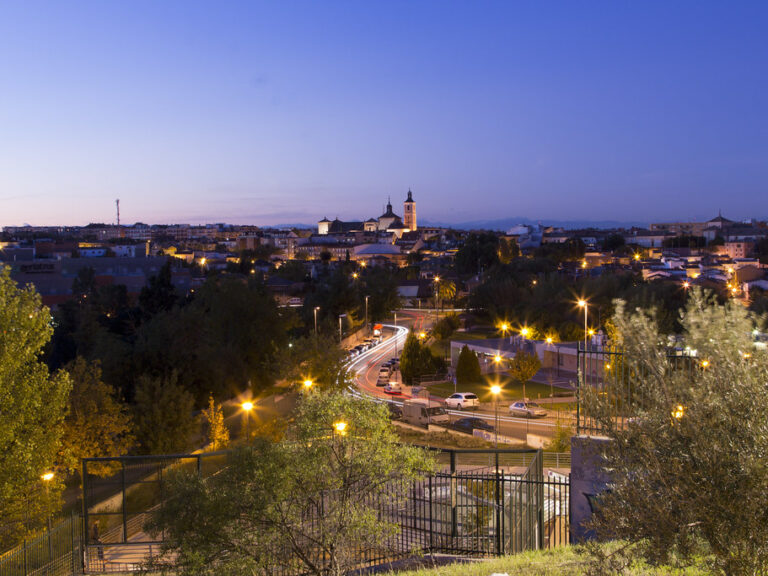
48	476
549	340
495	389
524	332
247	406
340	427
582	303
497	358
307	383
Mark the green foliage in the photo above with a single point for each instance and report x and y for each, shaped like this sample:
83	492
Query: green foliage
524	367
97	423
416	359
215	429
684	241
561	439
690	468
479	252
318	359
467	367
445	327
159	295
508	249
613	242
32	406
163	415
306	504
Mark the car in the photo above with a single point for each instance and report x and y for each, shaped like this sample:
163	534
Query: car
526	409
393	387
469	424
461	400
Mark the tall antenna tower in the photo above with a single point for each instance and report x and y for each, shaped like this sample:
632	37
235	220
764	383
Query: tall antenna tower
119	230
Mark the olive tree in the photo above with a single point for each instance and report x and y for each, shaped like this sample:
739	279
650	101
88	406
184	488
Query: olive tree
310	503
688	471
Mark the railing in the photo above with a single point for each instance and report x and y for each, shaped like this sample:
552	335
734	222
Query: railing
56	552
481	502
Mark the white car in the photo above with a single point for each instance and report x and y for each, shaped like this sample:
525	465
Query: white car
461	400
526	410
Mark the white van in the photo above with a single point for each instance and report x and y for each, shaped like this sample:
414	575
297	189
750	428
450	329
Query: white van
423	412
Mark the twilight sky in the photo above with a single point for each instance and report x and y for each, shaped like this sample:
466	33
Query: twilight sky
286	111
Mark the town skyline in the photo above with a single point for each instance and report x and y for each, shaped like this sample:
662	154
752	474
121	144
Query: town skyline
266	114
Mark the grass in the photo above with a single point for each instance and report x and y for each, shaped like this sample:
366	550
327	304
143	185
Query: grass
440	439
564	561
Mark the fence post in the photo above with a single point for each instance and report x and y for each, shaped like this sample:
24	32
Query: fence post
25	557
498	509
125	511
454	496
540	473
72	539
431	533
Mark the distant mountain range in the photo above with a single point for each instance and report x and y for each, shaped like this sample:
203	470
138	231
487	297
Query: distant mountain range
507	223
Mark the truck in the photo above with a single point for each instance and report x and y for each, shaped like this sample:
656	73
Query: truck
423	412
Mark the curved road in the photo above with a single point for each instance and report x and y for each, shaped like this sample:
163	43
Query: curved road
365	369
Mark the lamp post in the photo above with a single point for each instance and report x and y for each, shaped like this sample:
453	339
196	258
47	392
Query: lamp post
437	295
395	334
316	309
308	384
247	406
366	310
584	304
496	390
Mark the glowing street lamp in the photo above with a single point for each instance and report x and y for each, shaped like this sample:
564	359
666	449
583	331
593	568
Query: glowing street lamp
496	390
340	427
584	304
678	412
549	340
47	477
524	332
315	311
308	384
247	407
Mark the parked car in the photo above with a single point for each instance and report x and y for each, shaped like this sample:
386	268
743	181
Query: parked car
526	410
469	424
382	380
461	400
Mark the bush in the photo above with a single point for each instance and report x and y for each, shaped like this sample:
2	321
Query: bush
468	367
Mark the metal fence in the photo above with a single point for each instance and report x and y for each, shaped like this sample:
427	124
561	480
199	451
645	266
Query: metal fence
615	376
57	552
480	502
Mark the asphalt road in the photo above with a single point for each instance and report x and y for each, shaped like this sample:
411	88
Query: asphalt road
366	369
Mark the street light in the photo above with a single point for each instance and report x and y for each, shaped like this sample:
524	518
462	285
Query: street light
496	390
340	427
308	384
366	310
395	334
316	309
47	477
524	332
247	406
504	328
437	296
678	412
584	304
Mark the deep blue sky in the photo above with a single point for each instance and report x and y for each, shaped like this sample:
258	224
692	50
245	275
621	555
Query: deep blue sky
276	112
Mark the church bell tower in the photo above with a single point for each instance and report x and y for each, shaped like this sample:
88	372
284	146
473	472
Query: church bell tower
409	213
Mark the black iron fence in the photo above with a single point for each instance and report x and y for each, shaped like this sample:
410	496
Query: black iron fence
56	552
480	502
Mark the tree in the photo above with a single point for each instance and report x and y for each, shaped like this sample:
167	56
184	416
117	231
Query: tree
97	424
32	406
524	367
467	367
479	252
416	359
163	415
446	291
508	249
215	429
160	294
307	504
688	471
317	358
